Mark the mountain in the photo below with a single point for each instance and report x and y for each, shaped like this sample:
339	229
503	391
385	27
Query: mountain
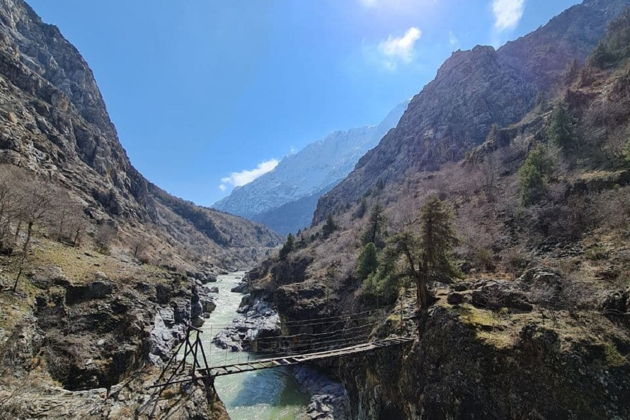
102	271
284	199
55	123
472	91
506	187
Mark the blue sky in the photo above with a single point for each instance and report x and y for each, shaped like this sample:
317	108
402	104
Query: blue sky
207	94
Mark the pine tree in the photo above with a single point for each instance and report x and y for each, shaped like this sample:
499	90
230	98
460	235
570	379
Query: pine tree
375	228
367	262
288	246
329	227
428	256
560	129
533	176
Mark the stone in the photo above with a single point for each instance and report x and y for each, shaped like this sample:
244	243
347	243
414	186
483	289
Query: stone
259	321
455	298
500	294
94	290
616	302
45	277
163	293
100	276
207	304
197	322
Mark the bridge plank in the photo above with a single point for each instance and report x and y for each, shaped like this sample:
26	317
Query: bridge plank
285	361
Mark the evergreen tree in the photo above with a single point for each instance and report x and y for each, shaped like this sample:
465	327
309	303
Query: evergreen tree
288	247
329	227
384	281
560	129
361	209
375	228
367	262
428	256
533	176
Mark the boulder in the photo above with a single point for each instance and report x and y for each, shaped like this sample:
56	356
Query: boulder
207	304
45	277
94	290
196	308
499	294
455	298
240	288
542	285
163	293
197	321
616	302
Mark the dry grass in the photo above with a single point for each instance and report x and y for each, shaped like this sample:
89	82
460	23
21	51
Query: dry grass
79	265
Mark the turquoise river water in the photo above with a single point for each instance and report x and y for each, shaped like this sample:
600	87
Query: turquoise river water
262	395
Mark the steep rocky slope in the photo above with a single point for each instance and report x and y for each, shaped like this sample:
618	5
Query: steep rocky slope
472	91
55	123
284	199
100	270
537	325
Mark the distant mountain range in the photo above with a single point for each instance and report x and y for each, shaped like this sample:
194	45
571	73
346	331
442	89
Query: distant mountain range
285	198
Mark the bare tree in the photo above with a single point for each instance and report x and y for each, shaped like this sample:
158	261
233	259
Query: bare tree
66	219
105	235
138	247
34	203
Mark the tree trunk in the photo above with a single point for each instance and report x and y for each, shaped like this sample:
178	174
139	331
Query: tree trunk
17	230
29	231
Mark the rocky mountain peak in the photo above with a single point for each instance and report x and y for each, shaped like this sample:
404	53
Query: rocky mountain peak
472	91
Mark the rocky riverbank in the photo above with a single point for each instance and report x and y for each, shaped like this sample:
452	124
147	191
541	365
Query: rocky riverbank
329	399
259	321
91	349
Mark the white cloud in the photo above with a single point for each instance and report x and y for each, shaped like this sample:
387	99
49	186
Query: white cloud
507	13
395	50
238	179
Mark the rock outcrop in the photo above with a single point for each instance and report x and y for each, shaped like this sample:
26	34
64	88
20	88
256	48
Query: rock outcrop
104	343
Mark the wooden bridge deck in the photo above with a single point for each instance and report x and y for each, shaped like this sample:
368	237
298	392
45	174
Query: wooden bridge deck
288	360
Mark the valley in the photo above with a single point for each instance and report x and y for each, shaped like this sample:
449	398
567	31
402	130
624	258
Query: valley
468	257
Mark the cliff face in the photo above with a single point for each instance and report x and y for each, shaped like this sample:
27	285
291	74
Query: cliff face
284	199
538	324
94	315
55	123
472	91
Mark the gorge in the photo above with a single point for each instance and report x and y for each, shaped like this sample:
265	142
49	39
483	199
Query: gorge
484	232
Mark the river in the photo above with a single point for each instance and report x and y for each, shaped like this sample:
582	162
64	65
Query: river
261	395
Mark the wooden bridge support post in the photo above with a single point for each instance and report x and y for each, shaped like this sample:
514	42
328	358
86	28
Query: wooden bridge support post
402	298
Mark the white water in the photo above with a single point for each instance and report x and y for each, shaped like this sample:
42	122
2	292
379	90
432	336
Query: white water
269	394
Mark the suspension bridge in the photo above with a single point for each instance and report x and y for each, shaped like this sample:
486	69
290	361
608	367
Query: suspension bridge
310	340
